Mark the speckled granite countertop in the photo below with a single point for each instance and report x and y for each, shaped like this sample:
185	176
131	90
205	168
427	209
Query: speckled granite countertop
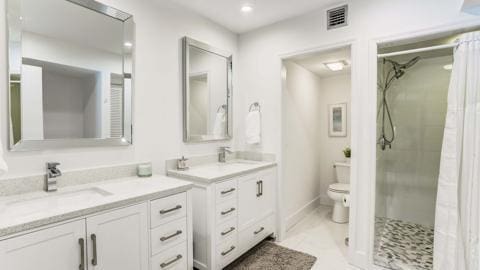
27	211
213	172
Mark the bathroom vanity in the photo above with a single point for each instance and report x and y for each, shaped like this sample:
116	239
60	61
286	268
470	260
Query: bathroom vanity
234	208
123	224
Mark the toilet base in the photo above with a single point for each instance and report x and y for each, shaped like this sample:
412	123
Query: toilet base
340	213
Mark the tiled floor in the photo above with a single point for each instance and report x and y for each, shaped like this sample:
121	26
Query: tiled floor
319	236
401	245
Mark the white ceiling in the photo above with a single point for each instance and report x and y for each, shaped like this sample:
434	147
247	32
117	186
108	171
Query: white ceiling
227	12
315	62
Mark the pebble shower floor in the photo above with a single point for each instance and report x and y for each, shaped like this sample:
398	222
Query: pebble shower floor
401	245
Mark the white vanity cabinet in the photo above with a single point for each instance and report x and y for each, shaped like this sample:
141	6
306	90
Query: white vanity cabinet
58	248
148	235
118	239
231	216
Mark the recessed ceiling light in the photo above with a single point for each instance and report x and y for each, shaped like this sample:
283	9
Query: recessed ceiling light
247	8
336	66
448	67
128	44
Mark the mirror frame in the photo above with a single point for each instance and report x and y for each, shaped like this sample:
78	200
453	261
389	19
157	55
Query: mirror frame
128	75
186	43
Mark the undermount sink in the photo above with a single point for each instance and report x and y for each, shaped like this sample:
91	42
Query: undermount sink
50	201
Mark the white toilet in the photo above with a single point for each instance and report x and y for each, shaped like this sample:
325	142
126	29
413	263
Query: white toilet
336	191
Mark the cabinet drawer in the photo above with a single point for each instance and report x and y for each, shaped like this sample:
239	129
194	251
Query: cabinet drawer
227	252
225	191
168	235
225	230
167	209
257	232
172	259
226	211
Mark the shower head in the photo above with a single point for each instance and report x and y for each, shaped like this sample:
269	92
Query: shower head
398	66
399	69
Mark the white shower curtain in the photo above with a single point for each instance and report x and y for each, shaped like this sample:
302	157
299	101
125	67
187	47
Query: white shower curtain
457	217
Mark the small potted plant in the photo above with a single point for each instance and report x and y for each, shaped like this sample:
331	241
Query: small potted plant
348	153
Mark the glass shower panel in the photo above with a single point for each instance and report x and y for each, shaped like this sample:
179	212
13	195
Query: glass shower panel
408	166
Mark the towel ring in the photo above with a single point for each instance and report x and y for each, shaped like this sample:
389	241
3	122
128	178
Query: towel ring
224	107
254	106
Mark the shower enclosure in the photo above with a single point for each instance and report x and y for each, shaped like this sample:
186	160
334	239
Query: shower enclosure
412	103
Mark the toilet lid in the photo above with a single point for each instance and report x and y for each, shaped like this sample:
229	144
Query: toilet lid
339	187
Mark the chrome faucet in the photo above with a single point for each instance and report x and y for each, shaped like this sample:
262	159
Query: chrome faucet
52	173
222	155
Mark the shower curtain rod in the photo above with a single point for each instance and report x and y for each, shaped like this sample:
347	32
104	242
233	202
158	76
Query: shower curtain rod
432	48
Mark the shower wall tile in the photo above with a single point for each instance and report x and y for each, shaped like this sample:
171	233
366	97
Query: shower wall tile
407	175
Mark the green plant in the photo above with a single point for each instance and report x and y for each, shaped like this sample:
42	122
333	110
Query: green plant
347	152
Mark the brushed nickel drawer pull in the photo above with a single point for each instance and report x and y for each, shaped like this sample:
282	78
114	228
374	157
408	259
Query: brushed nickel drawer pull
258	189
228	231
163	212
94	245
165	238
81	242
228	211
165	264
228	251
259	231
227	191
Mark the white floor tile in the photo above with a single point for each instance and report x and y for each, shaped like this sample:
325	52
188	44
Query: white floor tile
319	236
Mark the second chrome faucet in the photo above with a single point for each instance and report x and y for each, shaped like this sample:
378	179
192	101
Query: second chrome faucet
222	154
52	174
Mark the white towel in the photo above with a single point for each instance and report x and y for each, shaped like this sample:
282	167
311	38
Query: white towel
253	127
219	125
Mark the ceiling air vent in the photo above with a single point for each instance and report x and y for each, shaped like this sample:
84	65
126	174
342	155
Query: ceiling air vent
337	17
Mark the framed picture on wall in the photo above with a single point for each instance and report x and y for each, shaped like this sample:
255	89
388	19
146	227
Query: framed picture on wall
337	123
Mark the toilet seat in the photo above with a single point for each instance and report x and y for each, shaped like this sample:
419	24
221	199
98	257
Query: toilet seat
339	188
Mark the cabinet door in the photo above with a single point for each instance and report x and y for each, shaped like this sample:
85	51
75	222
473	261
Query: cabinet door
118	240
268	190
57	248
256	197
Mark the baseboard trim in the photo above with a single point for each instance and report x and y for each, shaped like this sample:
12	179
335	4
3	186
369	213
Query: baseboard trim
302	212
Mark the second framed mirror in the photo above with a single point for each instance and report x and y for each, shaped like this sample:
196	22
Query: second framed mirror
207	92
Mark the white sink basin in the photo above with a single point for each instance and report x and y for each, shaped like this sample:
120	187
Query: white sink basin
57	200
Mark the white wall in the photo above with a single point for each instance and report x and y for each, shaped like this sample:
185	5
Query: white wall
308	152
335	89
32	103
63	105
157	92
260	80
301	142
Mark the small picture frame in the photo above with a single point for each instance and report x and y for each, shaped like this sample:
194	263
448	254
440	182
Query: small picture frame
337	123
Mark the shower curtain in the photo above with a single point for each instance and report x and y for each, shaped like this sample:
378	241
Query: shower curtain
457	217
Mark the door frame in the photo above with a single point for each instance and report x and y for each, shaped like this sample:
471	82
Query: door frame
407	37
281	216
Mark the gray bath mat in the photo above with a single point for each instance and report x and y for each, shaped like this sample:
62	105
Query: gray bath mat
270	256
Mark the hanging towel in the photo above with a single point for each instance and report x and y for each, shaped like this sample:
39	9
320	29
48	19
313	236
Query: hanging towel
253	127
219	125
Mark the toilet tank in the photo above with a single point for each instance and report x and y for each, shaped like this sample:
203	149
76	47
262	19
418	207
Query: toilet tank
342	171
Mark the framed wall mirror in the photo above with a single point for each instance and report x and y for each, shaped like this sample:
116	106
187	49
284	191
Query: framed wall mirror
207	92
70	74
